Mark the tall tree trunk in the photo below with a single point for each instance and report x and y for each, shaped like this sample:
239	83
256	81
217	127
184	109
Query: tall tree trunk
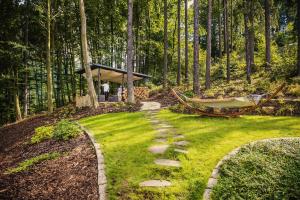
179	49
49	71
251	34
88	71
298	31
247	48
196	84
268	34
112	32
226	39
208	49
26	89
186	50
220	28
130	90
16	96
165	44
231	26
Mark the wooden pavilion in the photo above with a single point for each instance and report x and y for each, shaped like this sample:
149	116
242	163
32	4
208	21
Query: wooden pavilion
106	73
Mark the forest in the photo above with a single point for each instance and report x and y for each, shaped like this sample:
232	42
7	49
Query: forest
199	44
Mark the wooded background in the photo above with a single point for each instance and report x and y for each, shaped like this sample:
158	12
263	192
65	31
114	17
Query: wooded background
175	41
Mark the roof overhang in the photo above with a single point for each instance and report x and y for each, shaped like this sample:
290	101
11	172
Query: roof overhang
112	74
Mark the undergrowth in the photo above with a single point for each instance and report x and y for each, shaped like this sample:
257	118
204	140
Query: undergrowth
63	130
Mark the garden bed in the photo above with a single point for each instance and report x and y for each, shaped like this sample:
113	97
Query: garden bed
70	174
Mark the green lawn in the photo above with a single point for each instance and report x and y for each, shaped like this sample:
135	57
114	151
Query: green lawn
125	137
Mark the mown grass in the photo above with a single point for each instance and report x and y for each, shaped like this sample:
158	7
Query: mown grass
264	170
125	137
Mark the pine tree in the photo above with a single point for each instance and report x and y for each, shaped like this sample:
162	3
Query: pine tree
130	53
165	71
178	43
186	49
268	33
196	83
208	48
49	70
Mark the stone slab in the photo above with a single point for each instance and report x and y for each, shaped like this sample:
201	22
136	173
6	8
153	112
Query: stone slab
181	143
181	151
167	162
211	183
155	183
158	149
165	126
206	195
215	173
179	137
150	106
162	135
161	140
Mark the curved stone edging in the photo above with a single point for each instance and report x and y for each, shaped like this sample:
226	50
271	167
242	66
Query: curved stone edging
100	165
213	179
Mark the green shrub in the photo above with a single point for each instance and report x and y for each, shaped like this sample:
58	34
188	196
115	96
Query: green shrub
32	161
42	133
65	130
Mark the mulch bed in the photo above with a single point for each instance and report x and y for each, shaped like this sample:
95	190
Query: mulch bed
71	176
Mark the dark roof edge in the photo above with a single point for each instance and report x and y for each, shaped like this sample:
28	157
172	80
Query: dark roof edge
96	66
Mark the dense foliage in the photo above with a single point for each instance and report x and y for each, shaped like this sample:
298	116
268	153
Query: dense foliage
24	32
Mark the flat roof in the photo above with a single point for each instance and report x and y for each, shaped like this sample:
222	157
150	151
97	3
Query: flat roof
112	74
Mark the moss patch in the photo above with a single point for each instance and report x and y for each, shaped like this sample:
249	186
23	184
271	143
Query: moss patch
265	170
23	166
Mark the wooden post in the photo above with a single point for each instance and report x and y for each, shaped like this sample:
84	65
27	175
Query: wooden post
99	85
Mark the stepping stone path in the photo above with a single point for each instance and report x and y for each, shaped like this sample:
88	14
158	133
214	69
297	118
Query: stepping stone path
181	143
181	151
159	149
155	183
167	162
150	106
164	132
161	140
178	137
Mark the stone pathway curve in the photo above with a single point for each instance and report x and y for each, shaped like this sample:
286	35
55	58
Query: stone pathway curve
162	143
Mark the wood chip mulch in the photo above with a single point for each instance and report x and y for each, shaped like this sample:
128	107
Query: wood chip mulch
71	176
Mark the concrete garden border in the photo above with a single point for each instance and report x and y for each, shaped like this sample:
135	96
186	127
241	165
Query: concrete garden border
213	179
102	182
